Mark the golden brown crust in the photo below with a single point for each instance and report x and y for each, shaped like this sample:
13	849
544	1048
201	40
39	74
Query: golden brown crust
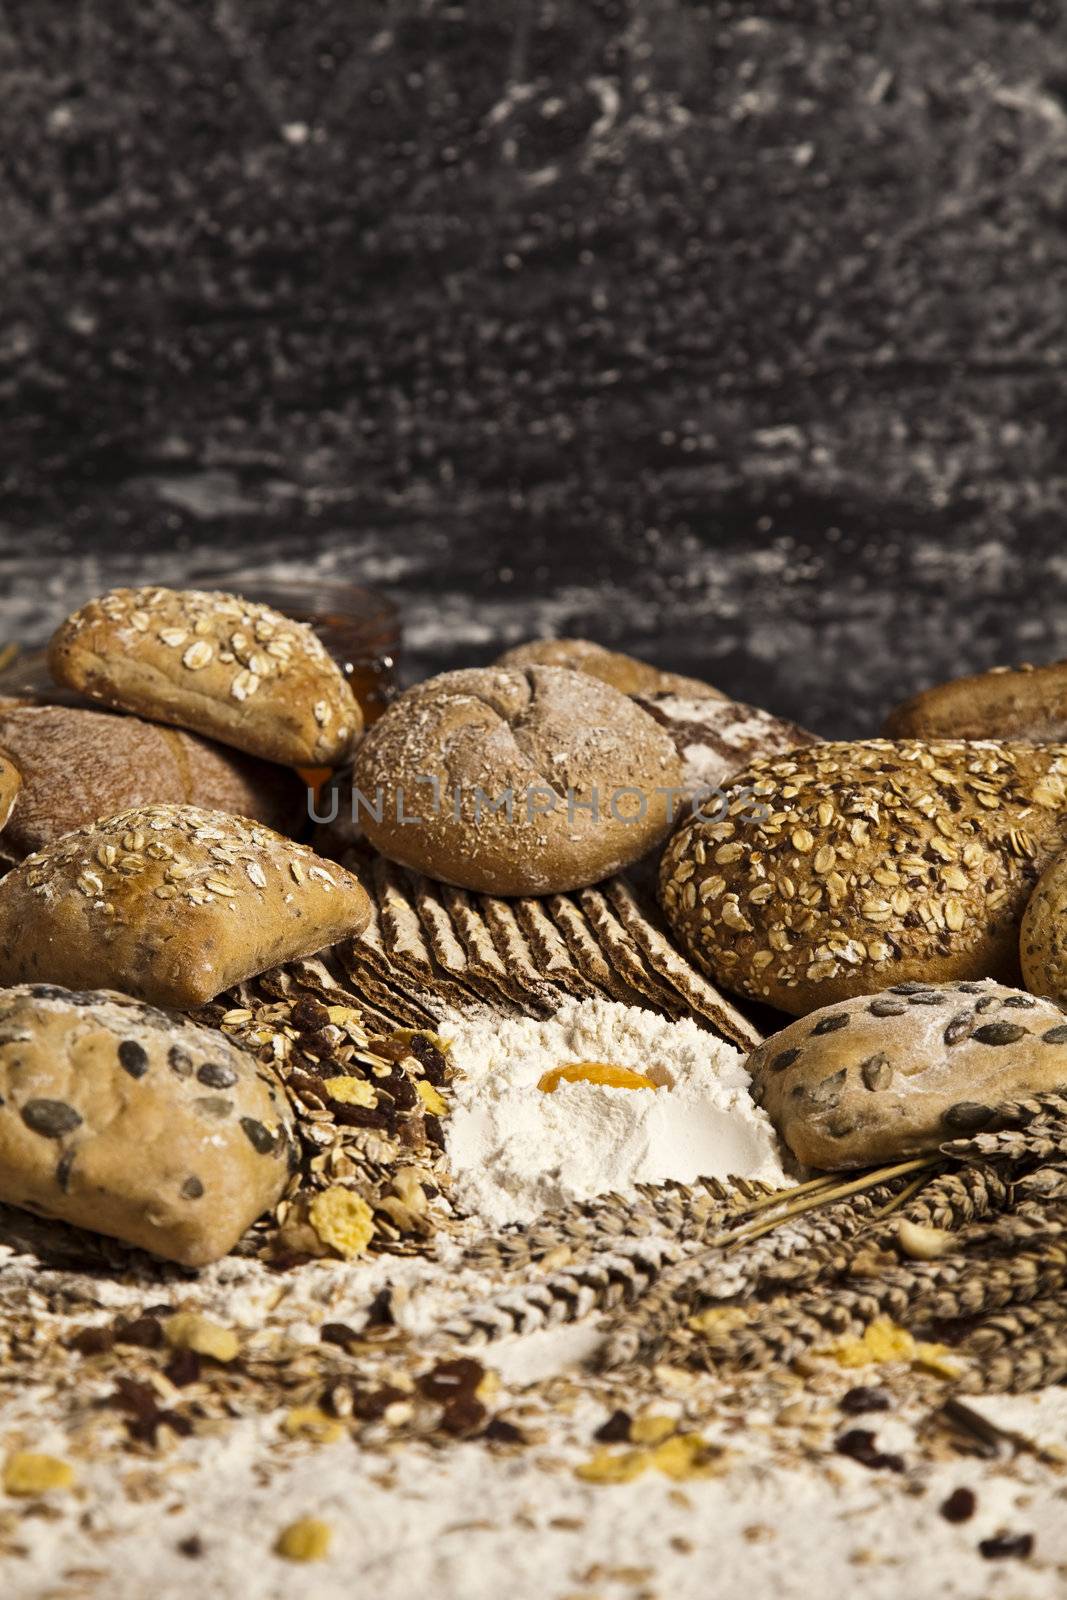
216	664
881	1077
10	785
117	1117
1028	703
540	735
877	862
622	672
172	904
79	765
1043	934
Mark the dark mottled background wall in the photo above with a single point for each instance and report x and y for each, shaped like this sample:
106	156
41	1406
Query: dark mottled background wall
730	332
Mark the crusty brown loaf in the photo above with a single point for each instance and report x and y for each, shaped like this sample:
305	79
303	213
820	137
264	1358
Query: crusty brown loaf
79	765
879	862
622	672
121	1119
172	904
216	664
10	784
878	1078
540	729
1028	703
1043	934
715	737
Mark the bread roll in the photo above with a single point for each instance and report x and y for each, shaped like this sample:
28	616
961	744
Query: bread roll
840	869
716	737
555	742
622	672
1026	702
1043	934
121	1119
878	1078
172	904
10	784
216	664
80	765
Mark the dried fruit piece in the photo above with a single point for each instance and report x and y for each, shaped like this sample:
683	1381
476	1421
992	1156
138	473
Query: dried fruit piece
342	1220
307	1539
187	1330
960	1505
594	1072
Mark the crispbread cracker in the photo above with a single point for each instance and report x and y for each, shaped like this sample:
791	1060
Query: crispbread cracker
624	955
514	951
548	948
698	993
584	947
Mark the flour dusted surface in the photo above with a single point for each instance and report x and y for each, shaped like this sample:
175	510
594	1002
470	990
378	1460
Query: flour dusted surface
517	1152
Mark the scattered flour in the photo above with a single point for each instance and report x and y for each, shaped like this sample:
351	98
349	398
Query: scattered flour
517	1152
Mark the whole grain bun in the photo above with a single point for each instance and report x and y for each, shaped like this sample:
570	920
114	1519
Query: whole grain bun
80	765
10	784
1028	703
1043	934
172	904
841	869
535	734
122	1119
215	664
878	1078
622	672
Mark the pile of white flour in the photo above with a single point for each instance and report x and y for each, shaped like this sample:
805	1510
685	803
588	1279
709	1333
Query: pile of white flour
517	1152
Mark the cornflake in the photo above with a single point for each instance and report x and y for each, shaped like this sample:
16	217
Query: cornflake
28	1473
342	1220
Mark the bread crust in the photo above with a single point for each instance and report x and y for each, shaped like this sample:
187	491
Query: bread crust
10	785
79	765
1028	703
172	904
1043	934
538	734
216	664
868	864
622	672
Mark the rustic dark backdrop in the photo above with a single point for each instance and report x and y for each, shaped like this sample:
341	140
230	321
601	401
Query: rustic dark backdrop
730	332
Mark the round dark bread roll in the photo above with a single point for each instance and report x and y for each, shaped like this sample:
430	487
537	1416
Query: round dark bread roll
622	672
434	776
79	765
839	869
885	1076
